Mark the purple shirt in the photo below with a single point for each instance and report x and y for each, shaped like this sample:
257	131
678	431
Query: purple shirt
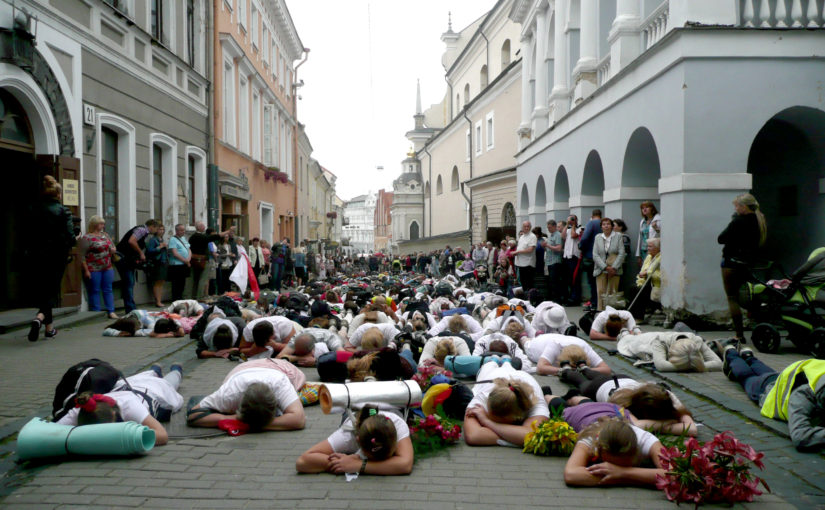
582	415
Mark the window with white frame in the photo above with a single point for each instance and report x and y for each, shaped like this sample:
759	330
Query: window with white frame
256	126
164	152
242	13
265	46
281	71
468	146
478	137
273	59
276	138
191	34
253	29
490	128
268	134
116	164
196	159
229	102
243	115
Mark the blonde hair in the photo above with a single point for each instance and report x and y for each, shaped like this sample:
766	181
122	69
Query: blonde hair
456	324
514	329
510	400
373	338
572	354
686	354
444	348
749	201
94	221
361	368
611	435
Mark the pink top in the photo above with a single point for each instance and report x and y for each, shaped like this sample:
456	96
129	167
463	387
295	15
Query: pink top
98	254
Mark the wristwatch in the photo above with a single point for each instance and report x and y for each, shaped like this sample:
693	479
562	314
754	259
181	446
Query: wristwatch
363	467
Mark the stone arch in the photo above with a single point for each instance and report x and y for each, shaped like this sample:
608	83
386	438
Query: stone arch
484	222
538	213
37	107
508	215
592	187
414	231
454	182
439	187
524	203
640	168
466	93
427	189
505	53
483	77
561	195
787	162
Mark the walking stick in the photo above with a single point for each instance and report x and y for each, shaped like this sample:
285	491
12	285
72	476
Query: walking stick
650	271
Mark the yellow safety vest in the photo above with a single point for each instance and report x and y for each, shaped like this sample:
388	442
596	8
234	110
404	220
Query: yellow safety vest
776	401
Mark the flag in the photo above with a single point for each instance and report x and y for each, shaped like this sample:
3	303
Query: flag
243	273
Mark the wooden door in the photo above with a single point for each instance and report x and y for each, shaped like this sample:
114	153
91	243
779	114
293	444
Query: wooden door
67	171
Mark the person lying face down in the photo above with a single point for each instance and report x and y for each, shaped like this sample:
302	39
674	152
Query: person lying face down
378	444
609	323
502	411
267	332
220	338
305	348
561	351
140	323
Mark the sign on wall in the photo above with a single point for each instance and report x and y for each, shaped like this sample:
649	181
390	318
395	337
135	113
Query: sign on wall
88	114
71	192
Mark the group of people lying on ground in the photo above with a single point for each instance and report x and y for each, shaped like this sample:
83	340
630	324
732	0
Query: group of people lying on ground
381	330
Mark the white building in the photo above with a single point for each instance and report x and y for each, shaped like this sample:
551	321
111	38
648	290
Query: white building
359	223
684	102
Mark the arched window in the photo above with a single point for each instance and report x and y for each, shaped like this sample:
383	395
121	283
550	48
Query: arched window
457	104
413	231
15	130
427	190
439	188
484	223
508	215
505	54
466	94
483	77
454	179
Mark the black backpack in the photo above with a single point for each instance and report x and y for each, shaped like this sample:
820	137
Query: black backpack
91	375
297	301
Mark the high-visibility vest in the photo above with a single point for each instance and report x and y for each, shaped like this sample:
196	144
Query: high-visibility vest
776	401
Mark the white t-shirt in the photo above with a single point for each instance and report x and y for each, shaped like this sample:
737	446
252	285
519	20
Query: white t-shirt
388	330
644	439
603	393
499	324
472	325
131	407
322	336
158	388
344	439
571	244
428	352
491	371
228	397
283	328
557	342
525	241
191	307
601	319
212	328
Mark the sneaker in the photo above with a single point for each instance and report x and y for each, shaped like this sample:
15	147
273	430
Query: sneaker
565	364
716	347
177	367
157	369
746	353
731	342
725	366
34	332
563	370
581	365
546	390
50	334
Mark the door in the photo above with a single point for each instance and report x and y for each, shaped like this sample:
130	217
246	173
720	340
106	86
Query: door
67	171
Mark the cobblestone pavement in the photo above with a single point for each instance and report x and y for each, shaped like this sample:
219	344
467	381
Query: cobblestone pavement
257	471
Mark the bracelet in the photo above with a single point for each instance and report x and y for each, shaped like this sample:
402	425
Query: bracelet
363	467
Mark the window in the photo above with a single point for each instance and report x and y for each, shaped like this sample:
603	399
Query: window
268	135
190	189
265	46
457	104
413	231
273	60
478	137
439	188
490	130
505	54
454	179
254	28
157	181
229	103
190	32
110	179
466	94
197	184
276	139
243	116
256	126
157	19
483	77
468	146
242	13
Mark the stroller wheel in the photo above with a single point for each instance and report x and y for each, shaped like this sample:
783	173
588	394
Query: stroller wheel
766	338
817	342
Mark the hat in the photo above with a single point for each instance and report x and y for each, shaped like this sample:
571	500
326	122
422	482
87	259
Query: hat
555	316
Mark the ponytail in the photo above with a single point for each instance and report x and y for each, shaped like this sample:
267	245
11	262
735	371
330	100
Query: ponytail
749	201
375	433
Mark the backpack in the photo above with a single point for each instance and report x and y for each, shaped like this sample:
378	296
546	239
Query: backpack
91	375
509	310
296	301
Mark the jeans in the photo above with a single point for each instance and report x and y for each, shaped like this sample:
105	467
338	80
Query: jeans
752	374
554	291
277	275
101	281
127	286
573	280
408	355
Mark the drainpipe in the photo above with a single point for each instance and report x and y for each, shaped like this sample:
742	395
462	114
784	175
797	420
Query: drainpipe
430	180
212	192
451	96
469	199
295	140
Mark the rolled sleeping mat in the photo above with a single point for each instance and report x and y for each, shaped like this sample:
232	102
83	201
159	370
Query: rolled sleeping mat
463	366
40	438
346	396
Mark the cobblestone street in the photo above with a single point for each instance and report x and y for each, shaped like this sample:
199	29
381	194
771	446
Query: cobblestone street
258	470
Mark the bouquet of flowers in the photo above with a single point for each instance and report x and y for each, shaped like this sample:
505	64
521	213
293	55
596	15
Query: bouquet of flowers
434	432
718	471
426	373
553	437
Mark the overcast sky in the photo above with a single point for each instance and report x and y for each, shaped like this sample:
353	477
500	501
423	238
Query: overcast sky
359	94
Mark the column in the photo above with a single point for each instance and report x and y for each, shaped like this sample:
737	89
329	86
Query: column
524	130
624	37
584	74
540	111
560	95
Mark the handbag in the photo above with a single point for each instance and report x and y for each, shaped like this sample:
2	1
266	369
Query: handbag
198	261
263	278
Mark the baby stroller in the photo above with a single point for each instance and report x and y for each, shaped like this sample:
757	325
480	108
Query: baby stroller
795	304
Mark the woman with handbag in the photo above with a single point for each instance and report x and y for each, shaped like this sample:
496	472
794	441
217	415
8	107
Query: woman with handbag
97	249
180	262
157	260
608	257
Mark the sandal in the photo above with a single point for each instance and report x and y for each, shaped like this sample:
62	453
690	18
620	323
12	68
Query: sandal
50	334
34	332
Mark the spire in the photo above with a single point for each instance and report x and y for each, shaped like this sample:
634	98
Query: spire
418	97
449	21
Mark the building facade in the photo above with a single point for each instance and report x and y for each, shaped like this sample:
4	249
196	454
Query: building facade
645	100
359	223
383	221
255	124
111	98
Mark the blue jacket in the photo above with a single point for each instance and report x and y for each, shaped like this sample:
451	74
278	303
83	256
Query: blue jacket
593	228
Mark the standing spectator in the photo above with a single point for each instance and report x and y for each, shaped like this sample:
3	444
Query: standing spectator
479	254
539	249
504	275
212	250
131	245
591	230
552	259
198	245
526	256
449	256
649	228
742	238
180	261
280	254
435	264
256	256
648	292
301	263
157	258
227	257
96	259
608	258
492	259
571	256
408	263
621	227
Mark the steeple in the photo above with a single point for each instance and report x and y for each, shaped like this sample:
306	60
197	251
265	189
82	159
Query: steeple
419	116
449	37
